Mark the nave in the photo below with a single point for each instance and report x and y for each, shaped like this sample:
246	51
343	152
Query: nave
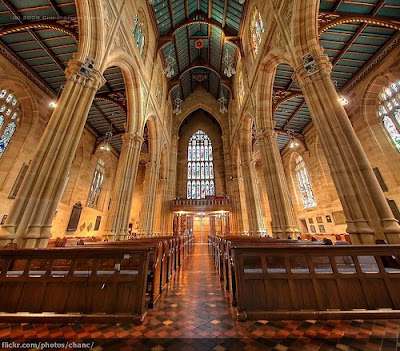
194	313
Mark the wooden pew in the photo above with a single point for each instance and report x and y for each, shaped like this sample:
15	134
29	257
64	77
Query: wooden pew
165	259
316	282
73	241
228	268
84	284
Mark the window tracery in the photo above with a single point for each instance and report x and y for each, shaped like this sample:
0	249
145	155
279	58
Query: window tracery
303	179
139	35
389	112
257	31
10	116
97	185
200	169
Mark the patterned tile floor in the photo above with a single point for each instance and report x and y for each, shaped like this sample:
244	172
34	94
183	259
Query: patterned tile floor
194	314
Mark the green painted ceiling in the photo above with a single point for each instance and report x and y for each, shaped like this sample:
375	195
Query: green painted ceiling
227	17
351	47
46	52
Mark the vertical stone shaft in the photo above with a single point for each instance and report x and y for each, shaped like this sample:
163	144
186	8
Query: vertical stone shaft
172	184
228	180
367	212
30	218
149	199
125	180
160	206
284	223
256	223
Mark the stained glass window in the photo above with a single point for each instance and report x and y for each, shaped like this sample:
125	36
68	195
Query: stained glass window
303	179
189	189
9	118
200	167
241	91
257	31
139	35
97	184
389	112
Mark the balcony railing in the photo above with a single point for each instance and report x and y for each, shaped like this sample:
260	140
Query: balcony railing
220	203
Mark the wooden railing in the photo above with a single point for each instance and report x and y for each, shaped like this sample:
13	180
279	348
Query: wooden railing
317	282
214	204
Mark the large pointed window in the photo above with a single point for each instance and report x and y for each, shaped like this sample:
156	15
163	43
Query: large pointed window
257	31
97	184
200	167
389	112
10	116
303	179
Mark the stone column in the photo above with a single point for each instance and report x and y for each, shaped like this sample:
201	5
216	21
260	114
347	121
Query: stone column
30	218
160	210
367	212
228	181
284	222
254	212
238	225
124	186
146	225
169	220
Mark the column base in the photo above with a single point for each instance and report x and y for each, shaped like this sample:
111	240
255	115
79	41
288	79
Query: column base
109	236
393	238
362	239
7	235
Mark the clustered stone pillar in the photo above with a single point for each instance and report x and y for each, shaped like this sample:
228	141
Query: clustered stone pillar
238	225
169	225
367	212
253	201
30	218
160	206
228	179
284	223
146	225
125	180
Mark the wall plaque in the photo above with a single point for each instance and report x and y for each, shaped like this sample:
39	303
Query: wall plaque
75	217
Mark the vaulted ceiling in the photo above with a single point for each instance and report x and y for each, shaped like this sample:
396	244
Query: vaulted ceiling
354	37
197	33
39	37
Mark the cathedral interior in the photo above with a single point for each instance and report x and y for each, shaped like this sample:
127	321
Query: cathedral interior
200	174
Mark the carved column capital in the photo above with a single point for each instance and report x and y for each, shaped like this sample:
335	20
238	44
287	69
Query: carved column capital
130	137
323	68
94	80
267	134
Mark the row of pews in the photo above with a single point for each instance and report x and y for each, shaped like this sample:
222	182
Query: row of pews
88	280
278	279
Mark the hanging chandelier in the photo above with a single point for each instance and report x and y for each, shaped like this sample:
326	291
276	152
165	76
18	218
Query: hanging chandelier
342	99
229	64
169	66
106	145
223	102
178	106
